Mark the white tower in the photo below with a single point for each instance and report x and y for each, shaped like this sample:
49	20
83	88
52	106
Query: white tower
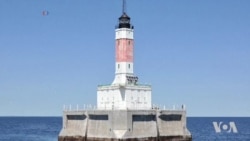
124	92
124	36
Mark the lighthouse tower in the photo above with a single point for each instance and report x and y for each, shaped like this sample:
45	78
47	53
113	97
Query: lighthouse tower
124	52
124	92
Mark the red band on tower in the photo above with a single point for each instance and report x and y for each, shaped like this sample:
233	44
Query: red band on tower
124	50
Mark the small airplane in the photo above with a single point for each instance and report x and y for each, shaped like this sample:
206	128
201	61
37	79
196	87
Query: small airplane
45	13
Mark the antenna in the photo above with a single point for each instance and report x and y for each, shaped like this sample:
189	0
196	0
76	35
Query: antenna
124	6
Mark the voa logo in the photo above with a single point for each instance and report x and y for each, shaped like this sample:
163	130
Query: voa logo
225	127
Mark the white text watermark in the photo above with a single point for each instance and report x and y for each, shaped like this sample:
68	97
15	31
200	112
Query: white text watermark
225	127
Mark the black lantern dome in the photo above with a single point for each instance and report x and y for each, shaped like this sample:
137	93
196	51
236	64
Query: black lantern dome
124	20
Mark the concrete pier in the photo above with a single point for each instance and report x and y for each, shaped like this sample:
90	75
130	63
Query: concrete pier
125	125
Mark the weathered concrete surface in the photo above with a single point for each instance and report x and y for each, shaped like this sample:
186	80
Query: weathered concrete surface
172	123
71	138
130	139
125	125
174	138
74	127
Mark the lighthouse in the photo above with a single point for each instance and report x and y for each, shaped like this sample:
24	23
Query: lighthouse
124	110
124	47
125	92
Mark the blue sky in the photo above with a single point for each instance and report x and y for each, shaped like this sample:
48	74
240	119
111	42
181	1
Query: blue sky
192	52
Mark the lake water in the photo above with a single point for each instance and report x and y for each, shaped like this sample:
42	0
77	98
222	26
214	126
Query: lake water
48	128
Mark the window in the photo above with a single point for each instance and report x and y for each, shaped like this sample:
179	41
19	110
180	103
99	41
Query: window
128	42
118	66
129	66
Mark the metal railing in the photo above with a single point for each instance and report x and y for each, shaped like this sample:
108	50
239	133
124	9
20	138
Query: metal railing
105	85
79	107
94	107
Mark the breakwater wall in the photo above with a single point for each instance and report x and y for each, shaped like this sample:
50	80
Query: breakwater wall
124	125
